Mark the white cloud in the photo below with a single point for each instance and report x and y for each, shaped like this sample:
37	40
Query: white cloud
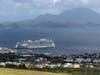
37	7
56	1
18	4
85	1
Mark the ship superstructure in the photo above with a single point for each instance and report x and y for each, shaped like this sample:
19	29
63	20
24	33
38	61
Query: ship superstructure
42	43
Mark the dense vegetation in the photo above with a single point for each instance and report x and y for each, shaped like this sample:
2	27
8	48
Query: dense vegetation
79	71
6	71
56	71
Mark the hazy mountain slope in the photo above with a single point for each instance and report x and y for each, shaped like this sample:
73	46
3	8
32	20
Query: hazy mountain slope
73	17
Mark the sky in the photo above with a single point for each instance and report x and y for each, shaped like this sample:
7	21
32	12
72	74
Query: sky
16	10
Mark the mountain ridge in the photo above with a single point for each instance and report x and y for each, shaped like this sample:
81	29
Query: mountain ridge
68	18
73	15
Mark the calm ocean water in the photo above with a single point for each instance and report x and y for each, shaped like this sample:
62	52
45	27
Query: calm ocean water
69	40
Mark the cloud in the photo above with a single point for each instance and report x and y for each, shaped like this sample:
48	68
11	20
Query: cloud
56	1
15	9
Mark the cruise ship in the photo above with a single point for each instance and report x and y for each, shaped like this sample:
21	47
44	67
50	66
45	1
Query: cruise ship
29	44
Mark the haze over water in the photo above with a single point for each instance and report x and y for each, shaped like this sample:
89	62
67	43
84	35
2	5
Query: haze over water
69	40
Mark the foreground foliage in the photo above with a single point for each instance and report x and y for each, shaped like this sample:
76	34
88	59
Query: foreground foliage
56	71
6	71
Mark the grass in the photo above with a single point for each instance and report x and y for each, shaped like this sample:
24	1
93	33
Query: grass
7	71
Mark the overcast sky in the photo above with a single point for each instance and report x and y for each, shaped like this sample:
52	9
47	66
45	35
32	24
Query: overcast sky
14	10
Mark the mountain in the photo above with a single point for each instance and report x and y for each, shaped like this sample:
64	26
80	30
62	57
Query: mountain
77	15
73	17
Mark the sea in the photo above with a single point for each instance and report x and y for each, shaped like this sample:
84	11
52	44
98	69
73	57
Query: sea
69	40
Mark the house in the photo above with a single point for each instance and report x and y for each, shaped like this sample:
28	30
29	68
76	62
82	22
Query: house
76	66
67	65
96	61
90	66
68	60
2	64
79	60
53	65
39	66
88	60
